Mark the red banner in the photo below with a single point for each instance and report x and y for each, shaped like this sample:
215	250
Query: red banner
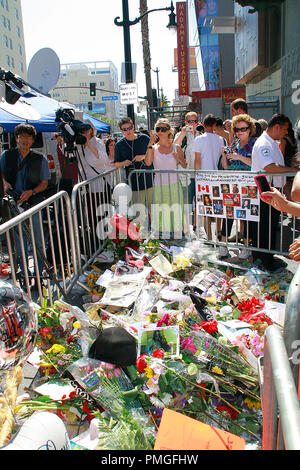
182	47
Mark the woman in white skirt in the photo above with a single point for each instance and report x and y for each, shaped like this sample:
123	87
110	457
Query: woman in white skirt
167	209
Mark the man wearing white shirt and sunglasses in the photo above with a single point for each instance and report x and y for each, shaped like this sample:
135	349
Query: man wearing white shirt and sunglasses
185	138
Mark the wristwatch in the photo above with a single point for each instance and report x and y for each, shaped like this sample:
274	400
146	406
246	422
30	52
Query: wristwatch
149	147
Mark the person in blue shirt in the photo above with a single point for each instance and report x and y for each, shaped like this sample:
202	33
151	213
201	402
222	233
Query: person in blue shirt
26	173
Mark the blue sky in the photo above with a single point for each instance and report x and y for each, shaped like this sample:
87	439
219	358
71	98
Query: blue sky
80	31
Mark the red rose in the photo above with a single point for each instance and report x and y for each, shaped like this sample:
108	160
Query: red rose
158	353
141	364
232	413
210	326
44	331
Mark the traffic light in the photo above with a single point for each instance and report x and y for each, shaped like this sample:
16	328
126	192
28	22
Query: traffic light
90	106
92	89
154	97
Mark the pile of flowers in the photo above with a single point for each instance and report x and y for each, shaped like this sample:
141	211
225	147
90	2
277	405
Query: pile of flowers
209	379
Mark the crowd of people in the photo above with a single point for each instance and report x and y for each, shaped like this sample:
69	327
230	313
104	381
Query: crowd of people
240	143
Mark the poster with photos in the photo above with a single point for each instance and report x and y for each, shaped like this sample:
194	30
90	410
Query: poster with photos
232	196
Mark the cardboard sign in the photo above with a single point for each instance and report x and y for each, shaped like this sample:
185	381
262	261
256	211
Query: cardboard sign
179	432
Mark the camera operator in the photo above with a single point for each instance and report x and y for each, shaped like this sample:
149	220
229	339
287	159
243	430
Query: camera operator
26	174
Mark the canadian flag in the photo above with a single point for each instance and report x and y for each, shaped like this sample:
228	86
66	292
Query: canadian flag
204	188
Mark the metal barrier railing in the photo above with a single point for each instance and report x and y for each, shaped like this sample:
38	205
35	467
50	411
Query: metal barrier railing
40	241
280	403
91	208
171	201
280	377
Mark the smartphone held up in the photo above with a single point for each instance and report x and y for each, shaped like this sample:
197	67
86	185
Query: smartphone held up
262	183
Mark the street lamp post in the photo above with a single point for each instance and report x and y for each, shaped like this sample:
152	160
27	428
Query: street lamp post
126	23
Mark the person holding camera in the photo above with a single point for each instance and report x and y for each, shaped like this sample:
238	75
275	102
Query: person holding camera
25	174
185	138
238	156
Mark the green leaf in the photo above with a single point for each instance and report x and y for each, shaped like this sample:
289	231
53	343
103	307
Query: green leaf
163	383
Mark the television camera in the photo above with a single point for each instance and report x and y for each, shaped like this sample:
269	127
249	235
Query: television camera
71	131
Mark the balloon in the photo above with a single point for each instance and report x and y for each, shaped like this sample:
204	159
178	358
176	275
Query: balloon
42	431
18	326
122	194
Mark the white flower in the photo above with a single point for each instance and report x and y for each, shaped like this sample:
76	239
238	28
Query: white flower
167	399
157	402
203	357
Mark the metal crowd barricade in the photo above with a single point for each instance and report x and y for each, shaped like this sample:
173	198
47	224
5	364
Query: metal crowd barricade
171	195
280	402
280	377
56	250
91	210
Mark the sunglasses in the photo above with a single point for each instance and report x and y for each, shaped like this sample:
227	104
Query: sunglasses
240	129
191	121
125	129
161	129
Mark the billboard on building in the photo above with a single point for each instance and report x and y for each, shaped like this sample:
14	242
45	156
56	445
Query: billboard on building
209	43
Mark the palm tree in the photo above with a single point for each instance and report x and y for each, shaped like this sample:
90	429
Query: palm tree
146	50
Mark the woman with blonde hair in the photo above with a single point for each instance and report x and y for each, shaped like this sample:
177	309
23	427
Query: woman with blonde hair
238	157
167	213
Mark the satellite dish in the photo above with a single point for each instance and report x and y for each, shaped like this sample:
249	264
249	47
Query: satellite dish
44	70
21	109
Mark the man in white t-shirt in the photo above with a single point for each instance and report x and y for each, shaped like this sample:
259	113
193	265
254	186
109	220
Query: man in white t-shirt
185	138
267	157
208	148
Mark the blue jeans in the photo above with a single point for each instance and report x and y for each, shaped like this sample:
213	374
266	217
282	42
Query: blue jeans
38	243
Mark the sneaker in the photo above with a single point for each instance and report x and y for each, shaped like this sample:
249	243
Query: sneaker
223	252
244	253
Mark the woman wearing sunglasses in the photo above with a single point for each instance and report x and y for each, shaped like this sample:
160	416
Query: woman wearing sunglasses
238	157
167	214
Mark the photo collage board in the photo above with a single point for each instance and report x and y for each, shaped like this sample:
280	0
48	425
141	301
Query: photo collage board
232	196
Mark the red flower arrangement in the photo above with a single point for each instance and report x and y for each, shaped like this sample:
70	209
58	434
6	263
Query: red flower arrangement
210	327
158	353
251	312
141	364
232	413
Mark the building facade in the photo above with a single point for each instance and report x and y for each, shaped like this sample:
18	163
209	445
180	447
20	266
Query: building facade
73	86
267	54
12	50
